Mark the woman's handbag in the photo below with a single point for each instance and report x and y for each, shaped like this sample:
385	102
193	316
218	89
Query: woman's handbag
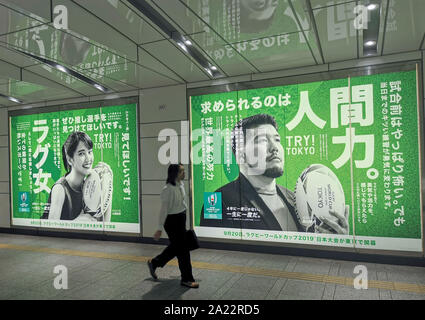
192	241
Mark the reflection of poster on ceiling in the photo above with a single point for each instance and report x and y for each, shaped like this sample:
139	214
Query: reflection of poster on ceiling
261	30
331	163
257	30
64	47
76	169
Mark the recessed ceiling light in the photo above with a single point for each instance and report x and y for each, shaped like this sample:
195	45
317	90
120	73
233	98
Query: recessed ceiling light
372	6
213	68
369	43
61	68
181	45
99	87
167	28
14	99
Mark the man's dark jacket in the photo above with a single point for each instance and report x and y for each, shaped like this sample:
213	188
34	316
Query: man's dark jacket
240	193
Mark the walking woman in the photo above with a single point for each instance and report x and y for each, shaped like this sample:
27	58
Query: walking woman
172	218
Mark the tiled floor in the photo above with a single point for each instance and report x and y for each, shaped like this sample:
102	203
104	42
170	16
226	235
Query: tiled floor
117	270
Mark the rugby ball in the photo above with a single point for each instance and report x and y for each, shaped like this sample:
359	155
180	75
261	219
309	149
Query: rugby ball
92	192
317	191
106	182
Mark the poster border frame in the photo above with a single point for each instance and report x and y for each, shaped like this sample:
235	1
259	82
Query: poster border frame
412	65
76	106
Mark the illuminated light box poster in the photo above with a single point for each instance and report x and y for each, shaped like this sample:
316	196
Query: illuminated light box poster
98	190
332	163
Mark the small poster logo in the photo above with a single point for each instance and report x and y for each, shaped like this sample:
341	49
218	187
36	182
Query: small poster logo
212	199
212	205
24	202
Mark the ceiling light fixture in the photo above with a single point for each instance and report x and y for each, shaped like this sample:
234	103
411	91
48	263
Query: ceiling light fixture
213	68
372	6
99	87
209	71
11	98
61	68
371	33
66	70
181	45
14	99
370	43
166	27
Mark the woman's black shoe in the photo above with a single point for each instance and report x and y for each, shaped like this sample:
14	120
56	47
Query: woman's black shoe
152	270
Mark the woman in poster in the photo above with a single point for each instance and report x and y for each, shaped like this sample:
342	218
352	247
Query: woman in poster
79	194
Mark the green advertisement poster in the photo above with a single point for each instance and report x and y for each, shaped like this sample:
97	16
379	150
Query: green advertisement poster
97	189
331	163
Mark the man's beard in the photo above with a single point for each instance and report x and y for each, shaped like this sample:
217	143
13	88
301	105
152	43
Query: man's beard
274	172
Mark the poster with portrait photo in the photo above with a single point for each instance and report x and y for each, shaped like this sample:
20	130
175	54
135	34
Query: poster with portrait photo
76	169
321	163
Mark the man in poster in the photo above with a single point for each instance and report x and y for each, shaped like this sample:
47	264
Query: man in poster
254	200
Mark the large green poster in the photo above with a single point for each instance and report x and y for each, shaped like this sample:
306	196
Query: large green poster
76	169
324	163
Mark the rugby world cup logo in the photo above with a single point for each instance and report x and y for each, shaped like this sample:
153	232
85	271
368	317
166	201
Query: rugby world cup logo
212	200
24	205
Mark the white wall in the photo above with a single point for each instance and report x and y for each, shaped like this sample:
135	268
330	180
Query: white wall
160	109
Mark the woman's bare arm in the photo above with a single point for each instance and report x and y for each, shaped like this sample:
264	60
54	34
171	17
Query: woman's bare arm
56	202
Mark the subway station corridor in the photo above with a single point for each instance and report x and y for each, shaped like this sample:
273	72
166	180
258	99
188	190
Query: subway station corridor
287	134
103	270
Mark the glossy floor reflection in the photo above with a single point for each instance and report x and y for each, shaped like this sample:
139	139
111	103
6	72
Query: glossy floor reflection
117	270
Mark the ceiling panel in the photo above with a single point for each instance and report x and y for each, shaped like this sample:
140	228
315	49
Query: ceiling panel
31	77
337	36
113	77
129	76
147	60
382	10
223	55
113	43
10	71
325	3
63	48
169	55
7	103
64	79
237	21
180	15
87	27
6	79
16	58
146	78
405	26
30	92
12	20
288	51
37	9
124	19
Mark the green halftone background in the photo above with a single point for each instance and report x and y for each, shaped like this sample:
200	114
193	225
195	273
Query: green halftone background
379	222
112	155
